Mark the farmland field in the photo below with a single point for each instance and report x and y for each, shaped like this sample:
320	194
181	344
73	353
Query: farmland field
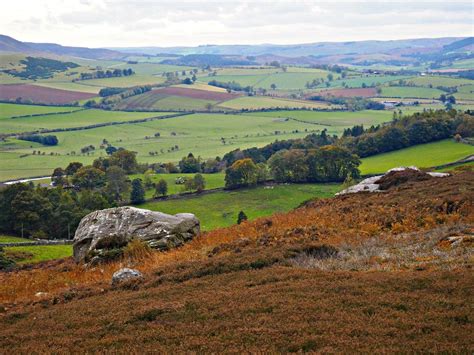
422	156
77	118
357	92
79	86
465	92
39	94
125	81
369	80
439	80
283	81
259	102
197	133
220	209
411	92
334	122
13	110
212	181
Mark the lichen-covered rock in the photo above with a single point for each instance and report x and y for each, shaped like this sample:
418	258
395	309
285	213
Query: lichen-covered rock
124	275
102	234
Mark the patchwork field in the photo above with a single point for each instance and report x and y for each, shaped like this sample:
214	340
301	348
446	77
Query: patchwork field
39	94
220	209
206	135
422	156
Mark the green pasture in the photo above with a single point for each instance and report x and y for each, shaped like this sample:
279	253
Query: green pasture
259	102
78	118
220	209
421	156
411	92
11	239
438	80
334	121
37	253
212	181
12	110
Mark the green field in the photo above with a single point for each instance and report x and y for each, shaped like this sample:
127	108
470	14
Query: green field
125	81
411	92
438	80
220	209
10	239
264	78
212	181
79	118
369	80
38	253
197	133
13	110
421	156
465	92
259	102
335	121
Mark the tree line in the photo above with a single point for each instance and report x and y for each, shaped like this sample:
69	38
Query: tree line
101	74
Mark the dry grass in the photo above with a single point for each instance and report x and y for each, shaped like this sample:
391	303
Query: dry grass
395	273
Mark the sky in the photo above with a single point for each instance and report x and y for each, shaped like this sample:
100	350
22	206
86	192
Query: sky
140	23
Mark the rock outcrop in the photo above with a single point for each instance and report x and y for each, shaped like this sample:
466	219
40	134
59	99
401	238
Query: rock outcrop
103	234
393	177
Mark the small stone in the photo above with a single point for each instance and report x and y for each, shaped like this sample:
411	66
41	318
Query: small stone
124	275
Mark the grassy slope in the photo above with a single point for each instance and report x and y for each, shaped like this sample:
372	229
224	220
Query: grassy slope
220	209
422	156
240	289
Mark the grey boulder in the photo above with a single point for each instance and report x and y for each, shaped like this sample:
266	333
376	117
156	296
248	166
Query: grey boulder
124	275
103	234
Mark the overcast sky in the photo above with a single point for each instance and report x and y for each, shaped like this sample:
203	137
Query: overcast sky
130	23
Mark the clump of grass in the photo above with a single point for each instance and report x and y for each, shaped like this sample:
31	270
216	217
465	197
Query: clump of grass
137	249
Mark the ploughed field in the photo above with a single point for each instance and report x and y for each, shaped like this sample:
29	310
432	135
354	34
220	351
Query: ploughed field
41	94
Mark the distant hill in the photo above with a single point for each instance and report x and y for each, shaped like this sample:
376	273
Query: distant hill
298	50
9	44
209	59
82	52
463	44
